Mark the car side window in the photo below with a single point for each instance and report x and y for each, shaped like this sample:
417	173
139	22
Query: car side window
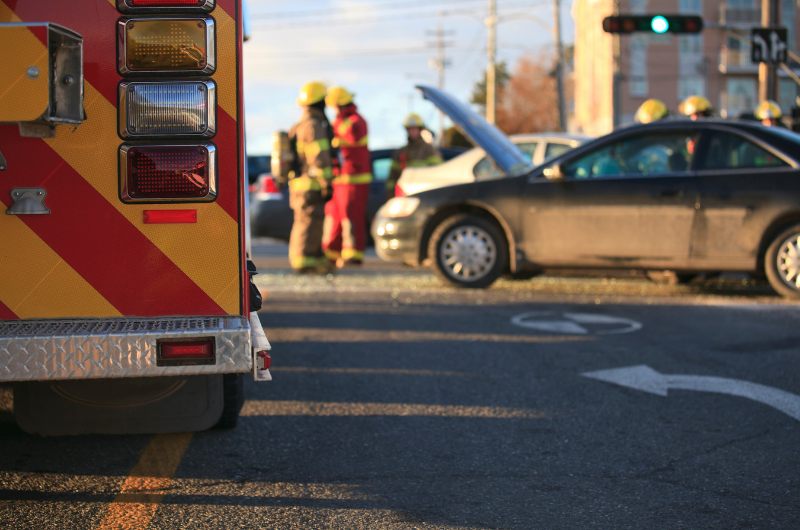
637	156
731	151
381	167
528	149
553	149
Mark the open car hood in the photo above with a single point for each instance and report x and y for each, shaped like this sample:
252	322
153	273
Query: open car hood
505	154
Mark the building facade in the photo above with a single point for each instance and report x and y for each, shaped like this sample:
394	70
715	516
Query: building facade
714	63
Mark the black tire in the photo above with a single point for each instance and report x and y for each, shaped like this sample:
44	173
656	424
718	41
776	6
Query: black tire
774	259
233	400
487	235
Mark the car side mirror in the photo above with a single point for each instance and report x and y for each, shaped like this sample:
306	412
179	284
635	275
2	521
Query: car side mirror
554	172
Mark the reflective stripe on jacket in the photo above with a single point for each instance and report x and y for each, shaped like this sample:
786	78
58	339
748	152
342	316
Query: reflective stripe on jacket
313	151
350	136
418	153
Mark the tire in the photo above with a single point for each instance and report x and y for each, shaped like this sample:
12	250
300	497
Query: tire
232	399
522	275
782	263
671	277
487	248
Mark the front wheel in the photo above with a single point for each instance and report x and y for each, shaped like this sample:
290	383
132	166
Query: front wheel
468	251
782	263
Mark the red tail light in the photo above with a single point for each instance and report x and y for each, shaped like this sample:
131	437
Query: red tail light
268	185
168	173
185	353
398	191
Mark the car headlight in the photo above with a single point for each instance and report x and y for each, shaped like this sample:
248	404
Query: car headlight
400	207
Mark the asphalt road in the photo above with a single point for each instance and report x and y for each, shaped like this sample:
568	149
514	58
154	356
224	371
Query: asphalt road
398	402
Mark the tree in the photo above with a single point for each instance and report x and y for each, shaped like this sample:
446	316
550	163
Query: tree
501	76
529	102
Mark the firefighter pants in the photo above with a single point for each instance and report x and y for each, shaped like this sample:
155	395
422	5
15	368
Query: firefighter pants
305	241
345	233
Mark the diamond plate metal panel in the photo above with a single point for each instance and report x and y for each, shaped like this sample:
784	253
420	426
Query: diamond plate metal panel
39	350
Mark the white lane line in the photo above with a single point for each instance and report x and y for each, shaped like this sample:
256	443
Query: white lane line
645	379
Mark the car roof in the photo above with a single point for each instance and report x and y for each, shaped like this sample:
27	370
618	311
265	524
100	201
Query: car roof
550	136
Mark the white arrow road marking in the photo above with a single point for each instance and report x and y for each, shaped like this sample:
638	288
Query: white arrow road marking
644	378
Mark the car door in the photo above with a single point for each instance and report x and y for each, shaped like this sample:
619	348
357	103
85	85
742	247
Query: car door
630	200
739	178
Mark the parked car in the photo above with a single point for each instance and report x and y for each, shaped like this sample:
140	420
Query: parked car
688	196
474	165
270	215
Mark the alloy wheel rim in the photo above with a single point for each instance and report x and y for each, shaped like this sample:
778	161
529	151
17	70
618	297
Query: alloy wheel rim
789	262
468	253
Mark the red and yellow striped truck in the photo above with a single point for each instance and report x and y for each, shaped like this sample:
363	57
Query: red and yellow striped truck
123	274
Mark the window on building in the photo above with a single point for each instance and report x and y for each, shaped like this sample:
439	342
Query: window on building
787	21
787	95
691	6
637	82
741	4
691	86
739	97
731	151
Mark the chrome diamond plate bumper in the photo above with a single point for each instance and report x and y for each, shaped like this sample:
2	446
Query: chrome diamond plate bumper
37	350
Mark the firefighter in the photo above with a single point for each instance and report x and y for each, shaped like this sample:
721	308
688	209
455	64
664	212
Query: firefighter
417	153
769	113
345	230
310	186
651	110
696	107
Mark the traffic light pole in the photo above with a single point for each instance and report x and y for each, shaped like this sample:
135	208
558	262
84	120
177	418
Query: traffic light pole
768	74
562	113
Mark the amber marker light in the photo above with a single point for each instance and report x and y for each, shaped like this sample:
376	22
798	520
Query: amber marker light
166	45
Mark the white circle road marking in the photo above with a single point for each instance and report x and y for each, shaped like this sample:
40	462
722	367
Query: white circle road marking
576	323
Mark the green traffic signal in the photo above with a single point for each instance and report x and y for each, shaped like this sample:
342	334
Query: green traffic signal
659	24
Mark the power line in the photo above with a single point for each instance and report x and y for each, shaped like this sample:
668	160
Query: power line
389	17
376	7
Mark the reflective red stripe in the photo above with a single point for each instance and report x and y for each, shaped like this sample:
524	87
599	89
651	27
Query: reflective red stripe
227	153
169	216
134	275
6	313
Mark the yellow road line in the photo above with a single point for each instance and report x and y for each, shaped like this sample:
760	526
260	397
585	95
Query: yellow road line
318	408
145	487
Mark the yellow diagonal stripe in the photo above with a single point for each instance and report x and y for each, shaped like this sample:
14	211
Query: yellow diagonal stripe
36	283
225	75
22	98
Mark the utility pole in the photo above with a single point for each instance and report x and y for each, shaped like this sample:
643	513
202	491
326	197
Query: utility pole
616	79
440	62
491	48
562	113
768	74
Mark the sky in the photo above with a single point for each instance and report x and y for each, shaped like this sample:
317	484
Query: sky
378	49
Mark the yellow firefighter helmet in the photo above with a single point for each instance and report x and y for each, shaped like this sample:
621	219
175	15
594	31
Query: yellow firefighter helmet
768	110
695	105
412	120
338	97
651	110
312	92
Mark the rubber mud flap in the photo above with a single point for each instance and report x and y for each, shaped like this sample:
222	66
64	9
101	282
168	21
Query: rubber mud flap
139	405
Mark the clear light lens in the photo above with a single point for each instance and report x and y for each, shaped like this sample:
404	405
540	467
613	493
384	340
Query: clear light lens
166	45
167	109
400	207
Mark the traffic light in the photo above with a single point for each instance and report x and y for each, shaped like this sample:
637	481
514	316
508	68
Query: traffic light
653	24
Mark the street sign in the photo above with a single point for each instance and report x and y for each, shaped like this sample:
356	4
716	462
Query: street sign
768	45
